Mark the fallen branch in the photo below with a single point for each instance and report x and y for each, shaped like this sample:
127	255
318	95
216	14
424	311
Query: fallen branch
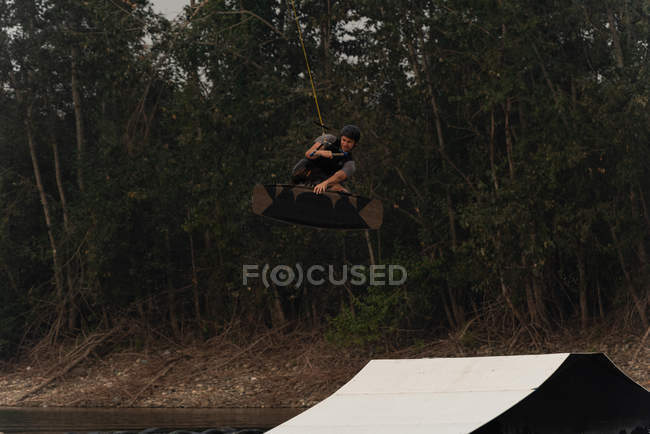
89	347
250	347
161	374
172	362
638	350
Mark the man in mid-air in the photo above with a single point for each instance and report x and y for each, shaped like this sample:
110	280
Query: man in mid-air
328	162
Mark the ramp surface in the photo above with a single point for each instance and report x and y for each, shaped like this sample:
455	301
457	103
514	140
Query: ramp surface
490	394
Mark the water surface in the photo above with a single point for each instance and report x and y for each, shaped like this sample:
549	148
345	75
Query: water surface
59	420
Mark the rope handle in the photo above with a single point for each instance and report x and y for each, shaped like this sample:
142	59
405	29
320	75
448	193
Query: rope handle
334	154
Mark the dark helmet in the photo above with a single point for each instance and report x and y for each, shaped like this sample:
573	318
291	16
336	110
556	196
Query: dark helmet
351	132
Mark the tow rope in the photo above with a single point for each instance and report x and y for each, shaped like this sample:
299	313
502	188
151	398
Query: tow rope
311	78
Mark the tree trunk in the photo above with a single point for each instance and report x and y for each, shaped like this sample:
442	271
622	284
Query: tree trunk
371	254
511	165
450	316
549	83
643	272
171	299
76	99
195	282
505	291
326	38
538	293
582	284
644	207
59	184
451	215
277	313
530	302
616	42
493	168
72	309
415	65
456	307
601	310
530	296
639	303
46	212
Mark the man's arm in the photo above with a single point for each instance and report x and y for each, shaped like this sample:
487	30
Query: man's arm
338	177
311	152
315	150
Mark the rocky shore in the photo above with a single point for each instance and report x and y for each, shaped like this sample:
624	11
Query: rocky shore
275	370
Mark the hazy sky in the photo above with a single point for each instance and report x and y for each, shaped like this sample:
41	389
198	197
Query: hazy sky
170	8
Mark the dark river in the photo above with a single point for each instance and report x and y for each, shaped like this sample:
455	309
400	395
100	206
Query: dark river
79	420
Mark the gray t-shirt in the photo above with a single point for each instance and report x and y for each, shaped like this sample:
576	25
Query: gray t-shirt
348	168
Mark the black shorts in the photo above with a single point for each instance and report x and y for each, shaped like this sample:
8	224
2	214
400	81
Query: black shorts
305	172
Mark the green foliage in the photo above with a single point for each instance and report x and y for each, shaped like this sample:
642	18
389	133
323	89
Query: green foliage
372	320
508	141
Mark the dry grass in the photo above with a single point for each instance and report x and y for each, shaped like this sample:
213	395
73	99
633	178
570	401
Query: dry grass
277	368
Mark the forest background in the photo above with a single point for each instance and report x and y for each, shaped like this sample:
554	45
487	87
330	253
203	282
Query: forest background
508	141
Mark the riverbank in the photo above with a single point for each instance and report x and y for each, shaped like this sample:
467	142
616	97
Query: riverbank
274	369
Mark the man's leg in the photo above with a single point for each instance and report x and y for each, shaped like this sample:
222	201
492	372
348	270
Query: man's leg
301	171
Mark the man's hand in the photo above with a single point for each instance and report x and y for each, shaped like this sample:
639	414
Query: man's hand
320	188
316	154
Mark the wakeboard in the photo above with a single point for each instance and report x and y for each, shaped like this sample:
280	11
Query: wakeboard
330	210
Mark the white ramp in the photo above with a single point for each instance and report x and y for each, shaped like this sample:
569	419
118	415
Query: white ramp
441	395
